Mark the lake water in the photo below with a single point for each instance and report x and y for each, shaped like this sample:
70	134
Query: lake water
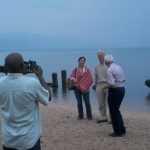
134	61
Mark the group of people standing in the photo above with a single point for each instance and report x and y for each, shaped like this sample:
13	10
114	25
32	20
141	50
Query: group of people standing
20	96
110	90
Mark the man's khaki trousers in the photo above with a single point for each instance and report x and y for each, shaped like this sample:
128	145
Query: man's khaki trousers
102	97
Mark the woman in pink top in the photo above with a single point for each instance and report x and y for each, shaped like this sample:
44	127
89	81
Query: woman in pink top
82	79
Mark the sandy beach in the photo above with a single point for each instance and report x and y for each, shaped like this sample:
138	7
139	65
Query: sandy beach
62	130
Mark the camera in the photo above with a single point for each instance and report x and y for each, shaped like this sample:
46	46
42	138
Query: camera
29	66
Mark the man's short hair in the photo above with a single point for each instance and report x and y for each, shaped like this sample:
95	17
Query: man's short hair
82	57
109	58
14	63
100	52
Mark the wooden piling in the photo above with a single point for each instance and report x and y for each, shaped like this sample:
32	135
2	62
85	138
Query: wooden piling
54	80
64	78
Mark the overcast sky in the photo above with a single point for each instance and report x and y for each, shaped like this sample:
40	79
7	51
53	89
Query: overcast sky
74	23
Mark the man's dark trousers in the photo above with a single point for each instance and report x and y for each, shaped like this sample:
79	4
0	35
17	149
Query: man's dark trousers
115	97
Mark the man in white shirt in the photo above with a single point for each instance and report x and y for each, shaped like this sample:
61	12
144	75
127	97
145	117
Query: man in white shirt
116	92
20	96
101	83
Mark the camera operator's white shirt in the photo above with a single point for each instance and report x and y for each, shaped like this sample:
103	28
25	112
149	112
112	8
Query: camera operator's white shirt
19	97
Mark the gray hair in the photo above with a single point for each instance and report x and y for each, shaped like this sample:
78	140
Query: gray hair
109	58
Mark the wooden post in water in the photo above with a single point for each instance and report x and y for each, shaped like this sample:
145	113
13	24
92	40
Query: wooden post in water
64	79
54	80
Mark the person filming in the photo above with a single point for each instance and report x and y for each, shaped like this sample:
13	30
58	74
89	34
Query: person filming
20	96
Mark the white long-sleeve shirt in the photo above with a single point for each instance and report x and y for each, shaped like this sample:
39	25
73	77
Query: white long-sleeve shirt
115	76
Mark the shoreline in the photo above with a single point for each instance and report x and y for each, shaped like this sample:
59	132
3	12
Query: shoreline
62	130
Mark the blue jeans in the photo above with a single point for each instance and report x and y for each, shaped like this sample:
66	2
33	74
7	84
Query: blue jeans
85	96
37	146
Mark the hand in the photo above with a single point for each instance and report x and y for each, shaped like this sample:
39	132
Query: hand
38	71
94	87
105	88
75	82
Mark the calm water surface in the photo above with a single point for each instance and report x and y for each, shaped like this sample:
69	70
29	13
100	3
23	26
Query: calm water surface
134	61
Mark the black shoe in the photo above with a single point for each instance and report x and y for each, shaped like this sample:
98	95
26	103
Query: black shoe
109	122
80	118
101	121
117	134
89	118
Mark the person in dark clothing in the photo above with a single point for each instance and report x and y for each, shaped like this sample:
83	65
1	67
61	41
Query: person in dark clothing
116	93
